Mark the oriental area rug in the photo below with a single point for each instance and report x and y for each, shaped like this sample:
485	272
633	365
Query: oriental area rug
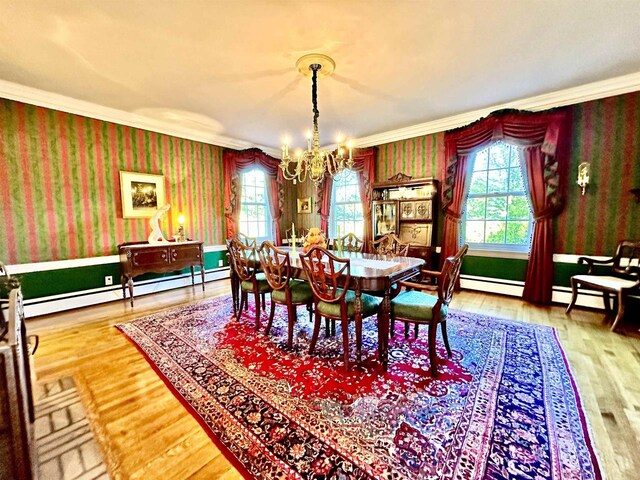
505	406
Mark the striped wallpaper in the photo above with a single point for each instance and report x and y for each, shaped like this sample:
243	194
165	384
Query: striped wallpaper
418	157
60	185
606	133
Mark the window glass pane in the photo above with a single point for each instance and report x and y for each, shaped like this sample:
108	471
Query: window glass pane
478	183
474	232
515	180
498	156
518	208
475	208
261	195
249	179
339	213
249	194
252	229
517	233
515	158
341	194
496	208
480	161
498	181
353	194
495	232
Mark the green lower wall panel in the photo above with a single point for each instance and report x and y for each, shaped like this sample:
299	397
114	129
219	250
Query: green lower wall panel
516	269
69	280
503	268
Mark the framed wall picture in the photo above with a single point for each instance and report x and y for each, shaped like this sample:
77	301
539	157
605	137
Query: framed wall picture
142	194
305	205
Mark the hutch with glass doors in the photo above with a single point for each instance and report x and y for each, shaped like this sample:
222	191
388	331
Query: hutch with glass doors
407	206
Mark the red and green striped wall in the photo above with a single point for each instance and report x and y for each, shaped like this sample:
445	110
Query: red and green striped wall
60	185
605	133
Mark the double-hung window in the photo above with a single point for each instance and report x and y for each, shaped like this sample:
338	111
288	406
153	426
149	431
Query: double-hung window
497	215
255	216
346	205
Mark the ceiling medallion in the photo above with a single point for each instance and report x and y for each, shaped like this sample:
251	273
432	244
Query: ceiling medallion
314	162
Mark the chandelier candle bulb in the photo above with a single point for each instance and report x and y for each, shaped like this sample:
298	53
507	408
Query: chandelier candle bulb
315	162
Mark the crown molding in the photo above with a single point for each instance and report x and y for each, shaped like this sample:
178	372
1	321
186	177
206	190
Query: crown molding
43	98
584	93
591	91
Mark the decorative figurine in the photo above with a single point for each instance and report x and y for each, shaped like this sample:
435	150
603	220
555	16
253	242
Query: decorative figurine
156	236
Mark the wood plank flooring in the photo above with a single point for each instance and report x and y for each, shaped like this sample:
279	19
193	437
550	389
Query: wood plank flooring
144	432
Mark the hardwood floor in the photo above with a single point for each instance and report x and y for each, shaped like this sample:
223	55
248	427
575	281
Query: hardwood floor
146	433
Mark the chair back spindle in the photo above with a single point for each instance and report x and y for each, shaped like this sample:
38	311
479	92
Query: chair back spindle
275	265
627	258
244	257
350	243
246	240
450	275
327	274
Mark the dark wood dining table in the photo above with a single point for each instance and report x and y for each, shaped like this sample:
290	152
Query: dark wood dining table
370	273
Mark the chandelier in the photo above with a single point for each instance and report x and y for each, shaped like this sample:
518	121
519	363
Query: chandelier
315	162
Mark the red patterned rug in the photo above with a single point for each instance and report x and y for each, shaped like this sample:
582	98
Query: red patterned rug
504	407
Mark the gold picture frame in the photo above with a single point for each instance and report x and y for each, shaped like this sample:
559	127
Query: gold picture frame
305	205
142	194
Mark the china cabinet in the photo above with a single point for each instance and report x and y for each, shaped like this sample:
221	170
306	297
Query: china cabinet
407	206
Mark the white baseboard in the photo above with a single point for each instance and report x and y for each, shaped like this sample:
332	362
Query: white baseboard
587	298
86	298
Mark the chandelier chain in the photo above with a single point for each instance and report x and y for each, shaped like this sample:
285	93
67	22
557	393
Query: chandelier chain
314	93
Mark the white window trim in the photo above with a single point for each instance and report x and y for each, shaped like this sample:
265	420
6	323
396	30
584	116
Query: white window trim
493	249
268	218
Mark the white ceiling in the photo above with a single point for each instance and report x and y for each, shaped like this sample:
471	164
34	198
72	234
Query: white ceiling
228	67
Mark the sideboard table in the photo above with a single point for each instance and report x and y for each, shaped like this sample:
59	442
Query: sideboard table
137	258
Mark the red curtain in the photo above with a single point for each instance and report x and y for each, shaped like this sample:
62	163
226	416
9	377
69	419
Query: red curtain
323	201
364	163
544	136
234	162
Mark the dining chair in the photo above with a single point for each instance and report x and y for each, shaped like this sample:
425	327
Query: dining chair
285	290
233	274
349	243
251	280
390	244
621	280
415	306
299	236
246	240
329	277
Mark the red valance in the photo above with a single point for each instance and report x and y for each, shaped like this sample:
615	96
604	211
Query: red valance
235	162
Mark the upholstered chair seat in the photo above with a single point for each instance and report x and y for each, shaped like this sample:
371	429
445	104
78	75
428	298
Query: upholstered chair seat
416	306
370	305
608	282
263	285
300	292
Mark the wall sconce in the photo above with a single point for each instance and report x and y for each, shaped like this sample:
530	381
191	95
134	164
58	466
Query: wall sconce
583	175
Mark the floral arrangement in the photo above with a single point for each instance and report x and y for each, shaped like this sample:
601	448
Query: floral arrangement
314	238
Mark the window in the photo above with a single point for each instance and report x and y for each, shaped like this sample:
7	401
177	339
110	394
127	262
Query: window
346	205
497	215
255	216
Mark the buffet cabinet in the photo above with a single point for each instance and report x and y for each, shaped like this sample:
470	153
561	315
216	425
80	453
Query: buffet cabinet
407	207
141	257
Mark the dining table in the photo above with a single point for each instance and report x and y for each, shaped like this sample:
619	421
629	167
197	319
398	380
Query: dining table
370	273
